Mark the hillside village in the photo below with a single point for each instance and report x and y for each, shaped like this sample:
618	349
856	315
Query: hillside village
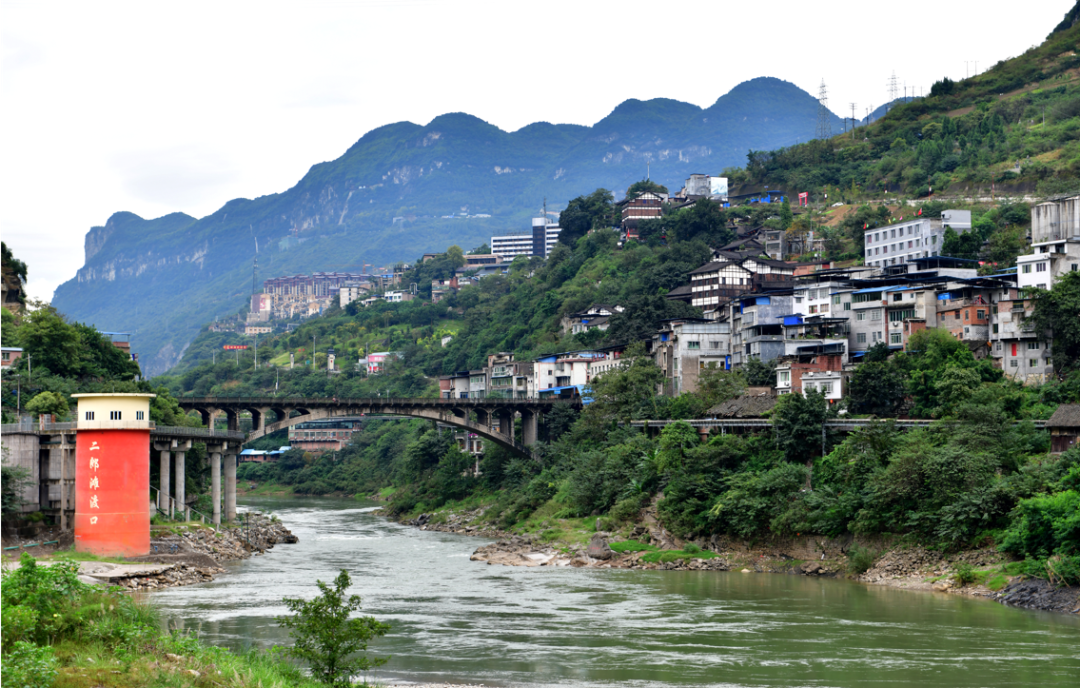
811	322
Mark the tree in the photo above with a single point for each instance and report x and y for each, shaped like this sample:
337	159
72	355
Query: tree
626	392
14	273
456	256
704	220
1057	314
326	638
876	388
48	403
786	215
584	213
643	186
760	373
798	420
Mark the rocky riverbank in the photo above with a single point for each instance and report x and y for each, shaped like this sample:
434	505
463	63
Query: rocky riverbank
911	568
184	556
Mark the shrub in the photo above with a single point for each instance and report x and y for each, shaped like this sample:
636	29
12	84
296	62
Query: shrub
964	575
860	559
1045	525
29	666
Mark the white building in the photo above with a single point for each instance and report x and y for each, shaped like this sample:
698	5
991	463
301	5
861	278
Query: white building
538	242
1055	244
918	237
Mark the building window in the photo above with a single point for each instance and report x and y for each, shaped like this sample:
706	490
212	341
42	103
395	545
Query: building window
894	338
875	314
1014	363
714	345
836	299
1040	267
956	315
89	415
785	376
898	297
860	338
115	415
693	345
965	315
1033	362
861	315
1026	269
1033	346
995	328
139	415
826	388
980	315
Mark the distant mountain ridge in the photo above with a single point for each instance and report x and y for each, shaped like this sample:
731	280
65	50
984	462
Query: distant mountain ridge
387	197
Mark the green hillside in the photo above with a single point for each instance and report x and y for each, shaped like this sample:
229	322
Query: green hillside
164	278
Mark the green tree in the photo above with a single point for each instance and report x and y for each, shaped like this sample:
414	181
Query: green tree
876	388
760	373
14	272
798	421
326	638
584	213
48	403
786	215
704	220
643	186
1057	314
456	256
627	392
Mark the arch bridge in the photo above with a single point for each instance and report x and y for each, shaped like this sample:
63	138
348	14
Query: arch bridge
494	418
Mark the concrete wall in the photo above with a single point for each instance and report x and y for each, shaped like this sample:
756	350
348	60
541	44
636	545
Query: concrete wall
22	450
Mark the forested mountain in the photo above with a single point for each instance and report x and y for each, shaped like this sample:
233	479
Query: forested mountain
164	278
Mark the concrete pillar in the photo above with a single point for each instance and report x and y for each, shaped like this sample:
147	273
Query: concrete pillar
230	485
163	487
506	423
179	485
483	417
215	484
233	418
530	426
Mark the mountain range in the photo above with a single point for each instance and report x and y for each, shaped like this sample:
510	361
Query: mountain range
401	190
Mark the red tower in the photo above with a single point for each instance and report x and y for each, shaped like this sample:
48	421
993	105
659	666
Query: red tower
112	474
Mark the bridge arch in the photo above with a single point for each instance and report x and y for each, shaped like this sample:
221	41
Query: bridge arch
452	412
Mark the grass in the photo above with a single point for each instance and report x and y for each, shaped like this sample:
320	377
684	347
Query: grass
632	546
669	555
387	492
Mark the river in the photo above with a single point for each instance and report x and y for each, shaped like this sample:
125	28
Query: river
461	621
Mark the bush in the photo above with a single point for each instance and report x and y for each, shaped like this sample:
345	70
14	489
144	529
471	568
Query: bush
1044	526
965	574
860	559
29	666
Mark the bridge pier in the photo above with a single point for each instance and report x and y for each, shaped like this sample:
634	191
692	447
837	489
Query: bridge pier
215	482
230	484
180	479
506	423
233	420
483	417
530	426
163	501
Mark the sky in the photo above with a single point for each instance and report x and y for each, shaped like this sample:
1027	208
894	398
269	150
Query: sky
157	107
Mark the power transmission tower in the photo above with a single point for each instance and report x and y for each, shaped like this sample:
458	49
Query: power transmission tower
853	121
894	89
824	123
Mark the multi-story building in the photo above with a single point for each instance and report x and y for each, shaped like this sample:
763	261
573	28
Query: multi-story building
455	385
757	326
685	346
565	374
353	290
595	317
792	372
1055	244
917	237
538	242
8	356
644	206
324	435
441	288
729	274
507	378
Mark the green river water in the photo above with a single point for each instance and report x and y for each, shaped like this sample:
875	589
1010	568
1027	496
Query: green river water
466	622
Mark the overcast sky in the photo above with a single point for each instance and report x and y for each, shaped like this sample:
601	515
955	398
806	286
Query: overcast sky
155	107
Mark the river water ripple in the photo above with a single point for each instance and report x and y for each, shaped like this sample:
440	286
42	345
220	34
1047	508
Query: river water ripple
461	621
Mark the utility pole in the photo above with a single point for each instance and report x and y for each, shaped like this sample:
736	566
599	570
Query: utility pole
853	121
313	353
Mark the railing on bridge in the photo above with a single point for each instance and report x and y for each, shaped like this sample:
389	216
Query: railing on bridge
28	426
835	424
368	401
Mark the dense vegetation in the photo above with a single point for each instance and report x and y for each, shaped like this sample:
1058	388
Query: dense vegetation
60	632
